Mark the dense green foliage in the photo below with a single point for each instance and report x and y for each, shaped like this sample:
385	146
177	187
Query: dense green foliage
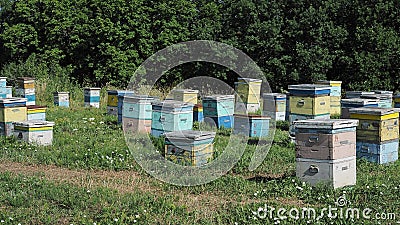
103	42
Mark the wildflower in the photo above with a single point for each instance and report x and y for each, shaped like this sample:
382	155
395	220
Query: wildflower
137	216
134	221
91	119
115	219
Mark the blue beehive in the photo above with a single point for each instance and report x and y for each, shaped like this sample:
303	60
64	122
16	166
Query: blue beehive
121	95
3	89
382	153
61	99
92	97
218	105
309	90
198	114
251	125
170	115
138	107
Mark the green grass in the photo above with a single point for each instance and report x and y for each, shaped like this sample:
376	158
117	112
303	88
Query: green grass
87	139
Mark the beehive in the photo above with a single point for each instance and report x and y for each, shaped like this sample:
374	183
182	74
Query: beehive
137	113
13	109
121	97
218	105
92	97
198	113
112	96
249	90
26	89
186	95
61	99
337	173
3	89
381	153
36	112
6	128
358	94
251	125
274	105
376	124
336	93
309	105
325	139
189	148
295	117
396	100
347	104
309	90
170	115
34	132
3	81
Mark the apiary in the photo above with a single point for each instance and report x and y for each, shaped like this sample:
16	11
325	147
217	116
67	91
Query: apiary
186	95
171	115
336	173
274	105
36	112
92	97
61	99
189	148
198	114
34	132
325	139
251	125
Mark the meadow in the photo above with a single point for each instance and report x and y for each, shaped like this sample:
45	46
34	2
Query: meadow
89	176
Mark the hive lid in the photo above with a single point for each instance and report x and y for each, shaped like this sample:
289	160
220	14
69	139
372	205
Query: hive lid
60	92
309	87
12	100
371	111
249	80
383	92
273	95
362	101
328	82
120	92
172	104
219	97
325	124
3	78
91	88
189	135
34	123
186	91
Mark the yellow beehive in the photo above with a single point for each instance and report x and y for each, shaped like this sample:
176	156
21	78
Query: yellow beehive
249	90
13	114
309	105
186	95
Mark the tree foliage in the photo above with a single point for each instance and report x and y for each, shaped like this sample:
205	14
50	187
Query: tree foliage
103	42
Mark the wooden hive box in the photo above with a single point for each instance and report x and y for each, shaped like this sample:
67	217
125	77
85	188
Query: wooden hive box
26	83
296	117
218	105
138	107
198	114
189	148
249	90
309	90
251	125
336	87
36	112
347	104
13	109
325	139
3	81
6	129
61	99
309	105
92	97
131	125
336	173
34	132
376	124
170	115
381	153
186	95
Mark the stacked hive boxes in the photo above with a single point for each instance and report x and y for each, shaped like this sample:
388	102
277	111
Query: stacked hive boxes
3	87
36	112
220	109
251	125
11	110
396	100
171	115
189	148
248	91
377	134
92	97
26	89
186	95
336	95
34	132
385	98
137	113
326	151
348	104
274	105
358	94
121	97
308	101
113	102
198	113
61	99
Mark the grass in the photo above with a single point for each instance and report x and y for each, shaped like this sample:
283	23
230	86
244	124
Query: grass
89	141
